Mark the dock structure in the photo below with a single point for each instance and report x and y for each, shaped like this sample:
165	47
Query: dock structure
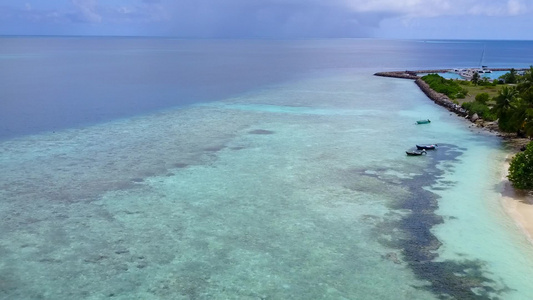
465	73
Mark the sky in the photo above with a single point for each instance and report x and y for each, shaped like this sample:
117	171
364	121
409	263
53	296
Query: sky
401	19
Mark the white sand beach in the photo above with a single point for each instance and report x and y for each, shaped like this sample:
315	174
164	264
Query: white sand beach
518	204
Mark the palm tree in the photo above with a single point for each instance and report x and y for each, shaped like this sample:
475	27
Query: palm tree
475	78
527	78
512	76
518	117
505	108
526	85
528	123
504	101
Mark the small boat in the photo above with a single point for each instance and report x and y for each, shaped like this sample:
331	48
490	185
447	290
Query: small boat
423	121
416	152
427	147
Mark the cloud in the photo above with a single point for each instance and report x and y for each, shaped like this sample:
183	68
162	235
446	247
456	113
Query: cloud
86	11
270	18
319	18
149	11
514	7
433	8
251	18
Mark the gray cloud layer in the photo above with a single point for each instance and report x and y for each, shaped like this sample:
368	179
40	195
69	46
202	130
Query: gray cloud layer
270	18
248	18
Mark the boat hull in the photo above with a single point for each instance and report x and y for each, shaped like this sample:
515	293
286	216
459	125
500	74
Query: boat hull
426	147
415	153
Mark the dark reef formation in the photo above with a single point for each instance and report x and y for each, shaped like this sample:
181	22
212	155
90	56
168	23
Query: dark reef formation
418	245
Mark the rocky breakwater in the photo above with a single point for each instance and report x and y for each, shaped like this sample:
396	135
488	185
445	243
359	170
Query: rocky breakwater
440	98
444	101
408	74
399	74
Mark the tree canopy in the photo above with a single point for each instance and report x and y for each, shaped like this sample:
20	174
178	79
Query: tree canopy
514	108
475	78
510	77
448	87
514	105
521	169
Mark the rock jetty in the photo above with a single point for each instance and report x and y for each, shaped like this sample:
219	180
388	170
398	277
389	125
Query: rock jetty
403	75
438	98
408	74
445	102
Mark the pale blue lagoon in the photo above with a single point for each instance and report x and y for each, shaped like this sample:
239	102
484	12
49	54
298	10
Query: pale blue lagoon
452	75
227	169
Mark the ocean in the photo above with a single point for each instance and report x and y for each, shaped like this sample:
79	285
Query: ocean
159	168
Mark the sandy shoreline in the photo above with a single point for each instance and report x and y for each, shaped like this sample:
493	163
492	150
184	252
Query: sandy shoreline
517	204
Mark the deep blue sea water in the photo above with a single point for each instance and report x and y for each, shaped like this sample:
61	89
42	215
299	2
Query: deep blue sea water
56	83
150	168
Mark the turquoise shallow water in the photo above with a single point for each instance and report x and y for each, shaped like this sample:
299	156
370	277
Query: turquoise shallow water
452	75
295	191
286	178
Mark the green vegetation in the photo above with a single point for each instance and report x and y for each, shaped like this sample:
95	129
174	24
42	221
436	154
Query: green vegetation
482	98
521	169
475	78
481	109
450	88
461	90
483	81
511	104
510	101
510	77
514	106
474	90
480	103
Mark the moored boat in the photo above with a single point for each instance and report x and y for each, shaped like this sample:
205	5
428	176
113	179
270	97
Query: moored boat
423	121
427	147
416	152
